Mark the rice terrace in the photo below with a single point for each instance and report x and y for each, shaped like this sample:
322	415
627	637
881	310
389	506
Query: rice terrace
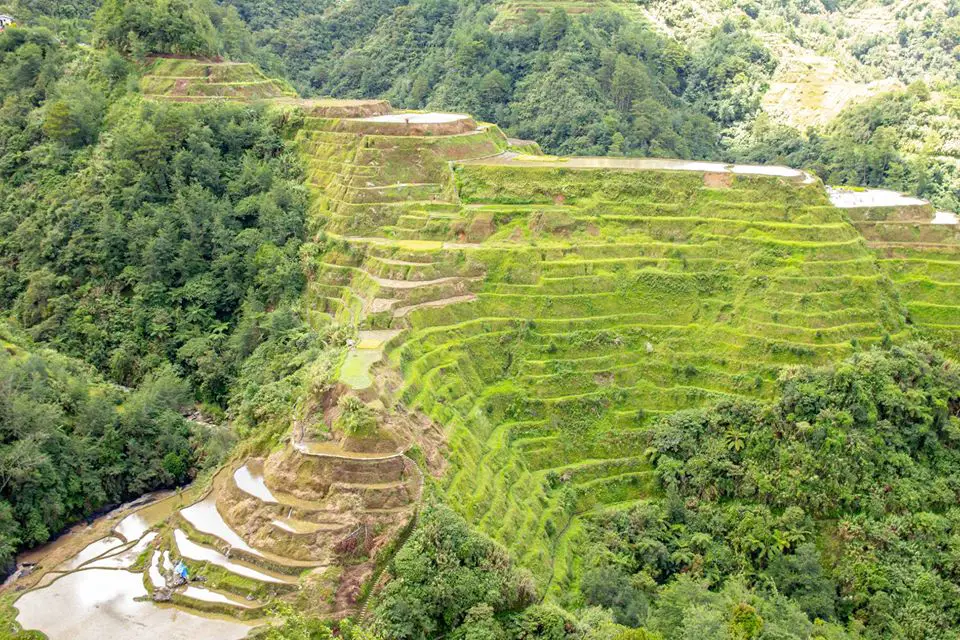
485	391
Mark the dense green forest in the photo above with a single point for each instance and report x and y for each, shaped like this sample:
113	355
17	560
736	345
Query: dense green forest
604	82
897	140
138	234
71	444
156	242
158	248
839	500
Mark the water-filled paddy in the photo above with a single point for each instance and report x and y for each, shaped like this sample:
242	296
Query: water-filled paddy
94	604
193	551
249	478
205	517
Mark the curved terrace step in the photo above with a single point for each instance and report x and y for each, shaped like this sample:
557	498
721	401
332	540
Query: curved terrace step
205	518
201	553
202	595
402	312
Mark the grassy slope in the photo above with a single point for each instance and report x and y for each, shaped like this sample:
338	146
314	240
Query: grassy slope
189	80
924	261
586	302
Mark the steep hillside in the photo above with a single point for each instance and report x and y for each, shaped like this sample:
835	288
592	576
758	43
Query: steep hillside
61	424
511	333
543	310
481	391
745	80
513	12
190	80
920	251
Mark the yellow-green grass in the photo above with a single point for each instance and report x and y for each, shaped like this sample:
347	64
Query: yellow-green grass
198	80
598	300
927	278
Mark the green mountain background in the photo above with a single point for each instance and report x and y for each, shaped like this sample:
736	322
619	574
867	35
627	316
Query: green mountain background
496	393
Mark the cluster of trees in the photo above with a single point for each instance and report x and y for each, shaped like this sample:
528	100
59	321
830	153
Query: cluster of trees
449	581
163	243
832	512
137	234
71	444
829	513
901	140
906	41
159	243
592	84
160	26
139	28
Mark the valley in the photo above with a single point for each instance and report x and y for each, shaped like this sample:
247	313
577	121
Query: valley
479	319
518	322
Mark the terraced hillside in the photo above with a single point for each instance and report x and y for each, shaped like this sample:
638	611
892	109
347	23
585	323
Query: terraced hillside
302	525
542	310
192	80
920	251
516	320
511	12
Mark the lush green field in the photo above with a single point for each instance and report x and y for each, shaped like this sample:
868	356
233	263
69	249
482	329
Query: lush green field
548	314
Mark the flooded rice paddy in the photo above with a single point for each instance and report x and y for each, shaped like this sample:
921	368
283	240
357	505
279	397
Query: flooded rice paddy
205	518
93	604
417	118
853	198
640	164
193	551
95	595
249	478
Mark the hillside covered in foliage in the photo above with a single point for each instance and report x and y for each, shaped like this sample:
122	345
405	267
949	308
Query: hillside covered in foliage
72	444
483	393
137	234
690	79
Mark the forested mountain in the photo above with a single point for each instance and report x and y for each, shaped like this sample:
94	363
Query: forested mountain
149	241
155	231
614	402
692	79
638	78
72	444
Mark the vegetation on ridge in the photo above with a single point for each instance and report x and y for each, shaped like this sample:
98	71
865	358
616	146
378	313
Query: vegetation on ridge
71	444
677	404
163	228
611	81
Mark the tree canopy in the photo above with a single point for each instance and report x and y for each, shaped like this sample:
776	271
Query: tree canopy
71	444
835	503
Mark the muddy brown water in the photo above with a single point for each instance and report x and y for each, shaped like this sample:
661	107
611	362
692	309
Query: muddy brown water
100	599
94	604
129	521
